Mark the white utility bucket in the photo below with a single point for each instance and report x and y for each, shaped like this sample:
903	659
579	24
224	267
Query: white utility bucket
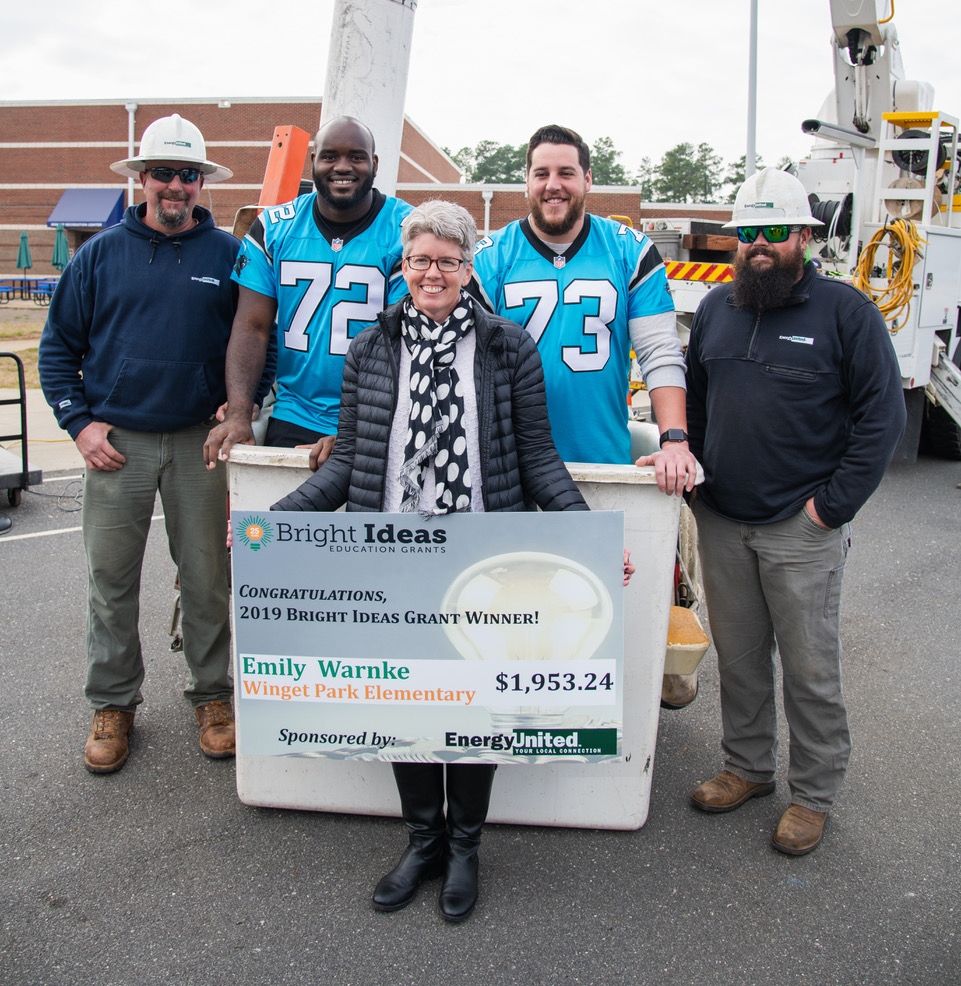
607	796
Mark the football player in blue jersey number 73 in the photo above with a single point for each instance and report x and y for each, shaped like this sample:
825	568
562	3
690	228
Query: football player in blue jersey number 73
588	289
323	266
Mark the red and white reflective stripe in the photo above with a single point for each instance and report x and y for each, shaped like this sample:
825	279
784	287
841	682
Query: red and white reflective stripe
680	271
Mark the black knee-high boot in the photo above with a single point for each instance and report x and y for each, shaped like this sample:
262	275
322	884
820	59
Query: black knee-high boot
421	789
468	796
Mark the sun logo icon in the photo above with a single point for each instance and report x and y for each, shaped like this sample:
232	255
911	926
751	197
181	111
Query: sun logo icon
254	533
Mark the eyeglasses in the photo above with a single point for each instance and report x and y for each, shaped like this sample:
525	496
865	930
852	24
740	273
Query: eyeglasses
773	234
187	175
447	265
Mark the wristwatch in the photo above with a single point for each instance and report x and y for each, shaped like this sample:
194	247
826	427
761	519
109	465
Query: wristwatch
673	435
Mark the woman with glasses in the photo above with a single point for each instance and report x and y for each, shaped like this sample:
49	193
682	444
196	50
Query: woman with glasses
443	409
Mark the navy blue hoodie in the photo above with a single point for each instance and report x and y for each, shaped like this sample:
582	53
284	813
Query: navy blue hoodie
138	327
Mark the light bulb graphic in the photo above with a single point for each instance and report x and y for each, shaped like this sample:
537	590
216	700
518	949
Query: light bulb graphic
570	607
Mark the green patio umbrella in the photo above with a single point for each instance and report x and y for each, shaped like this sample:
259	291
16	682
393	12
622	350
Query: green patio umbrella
61	252
23	255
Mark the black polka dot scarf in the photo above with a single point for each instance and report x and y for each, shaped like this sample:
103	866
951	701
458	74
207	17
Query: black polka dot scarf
435	432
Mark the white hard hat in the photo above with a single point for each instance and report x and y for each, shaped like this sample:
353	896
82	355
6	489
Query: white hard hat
771	198
172	138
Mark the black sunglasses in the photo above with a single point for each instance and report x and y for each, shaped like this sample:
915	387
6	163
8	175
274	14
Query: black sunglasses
773	234
187	175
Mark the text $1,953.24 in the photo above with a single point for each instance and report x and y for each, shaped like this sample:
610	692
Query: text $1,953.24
554	682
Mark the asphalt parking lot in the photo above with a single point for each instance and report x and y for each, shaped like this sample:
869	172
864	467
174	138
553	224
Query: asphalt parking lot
158	874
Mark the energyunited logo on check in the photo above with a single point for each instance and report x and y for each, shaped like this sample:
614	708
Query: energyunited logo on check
564	742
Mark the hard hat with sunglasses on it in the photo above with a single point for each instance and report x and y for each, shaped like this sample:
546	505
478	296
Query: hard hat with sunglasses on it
172	138
774	201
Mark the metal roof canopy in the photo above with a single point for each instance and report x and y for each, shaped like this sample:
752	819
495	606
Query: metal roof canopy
88	208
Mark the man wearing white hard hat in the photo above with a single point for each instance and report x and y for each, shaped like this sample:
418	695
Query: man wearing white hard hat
132	362
794	408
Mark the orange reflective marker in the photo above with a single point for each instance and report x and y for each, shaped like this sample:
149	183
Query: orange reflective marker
285	166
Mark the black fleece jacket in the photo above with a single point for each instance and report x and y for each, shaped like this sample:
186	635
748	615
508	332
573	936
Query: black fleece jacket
794	402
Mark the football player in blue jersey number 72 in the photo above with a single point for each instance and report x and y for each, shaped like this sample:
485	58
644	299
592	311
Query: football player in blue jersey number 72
323	266
588	289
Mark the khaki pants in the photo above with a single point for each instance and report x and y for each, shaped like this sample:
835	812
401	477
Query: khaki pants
117	507
777	587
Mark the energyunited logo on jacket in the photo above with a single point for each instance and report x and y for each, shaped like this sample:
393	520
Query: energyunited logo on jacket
254	533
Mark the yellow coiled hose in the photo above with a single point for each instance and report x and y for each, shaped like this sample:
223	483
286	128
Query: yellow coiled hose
895	299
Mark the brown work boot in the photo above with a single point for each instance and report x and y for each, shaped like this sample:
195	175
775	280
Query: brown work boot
107	747
216	721
727	791
799	830
678	690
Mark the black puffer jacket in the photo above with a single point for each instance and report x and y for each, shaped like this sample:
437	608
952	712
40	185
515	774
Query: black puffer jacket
520	467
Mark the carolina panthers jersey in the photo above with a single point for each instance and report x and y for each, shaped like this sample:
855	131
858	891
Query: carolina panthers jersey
578	307
329	285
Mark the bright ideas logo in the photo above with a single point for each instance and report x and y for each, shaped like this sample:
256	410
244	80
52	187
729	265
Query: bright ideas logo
254	533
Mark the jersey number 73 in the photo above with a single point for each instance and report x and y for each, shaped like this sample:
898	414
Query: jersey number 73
595	325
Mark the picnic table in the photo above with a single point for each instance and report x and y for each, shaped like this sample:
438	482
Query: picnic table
36	288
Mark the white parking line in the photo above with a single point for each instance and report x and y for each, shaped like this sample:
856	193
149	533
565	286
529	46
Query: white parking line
45	534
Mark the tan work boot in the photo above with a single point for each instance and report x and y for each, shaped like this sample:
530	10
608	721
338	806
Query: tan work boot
678	690
107	748
216	721
727	791
799	830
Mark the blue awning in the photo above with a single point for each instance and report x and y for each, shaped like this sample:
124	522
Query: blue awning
88	208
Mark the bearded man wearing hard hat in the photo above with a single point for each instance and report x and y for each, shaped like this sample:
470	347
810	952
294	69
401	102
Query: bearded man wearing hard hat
132	362
794	408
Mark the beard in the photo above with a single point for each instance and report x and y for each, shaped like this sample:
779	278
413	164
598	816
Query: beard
560	227
339	202
759	289
172	219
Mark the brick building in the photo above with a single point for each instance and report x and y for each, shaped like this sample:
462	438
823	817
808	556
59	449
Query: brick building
49	148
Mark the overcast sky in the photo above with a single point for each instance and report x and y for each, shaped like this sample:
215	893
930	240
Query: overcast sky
647	74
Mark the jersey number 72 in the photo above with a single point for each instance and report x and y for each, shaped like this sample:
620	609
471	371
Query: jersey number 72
319	274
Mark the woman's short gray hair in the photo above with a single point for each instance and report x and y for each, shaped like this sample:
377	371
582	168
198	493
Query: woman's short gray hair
446	220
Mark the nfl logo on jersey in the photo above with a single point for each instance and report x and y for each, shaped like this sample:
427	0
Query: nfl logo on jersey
559	261
336	244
